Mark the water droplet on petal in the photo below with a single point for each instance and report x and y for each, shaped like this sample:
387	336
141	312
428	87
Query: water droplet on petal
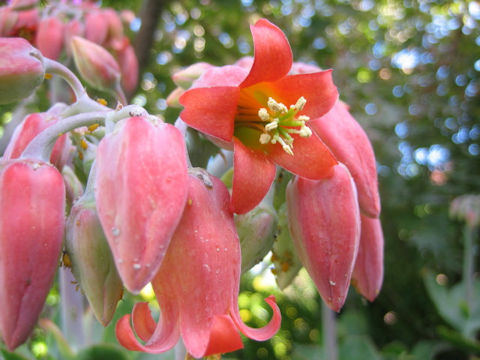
137	266
207	267
115	231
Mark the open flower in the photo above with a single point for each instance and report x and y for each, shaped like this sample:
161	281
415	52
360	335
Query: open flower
197	285
263	115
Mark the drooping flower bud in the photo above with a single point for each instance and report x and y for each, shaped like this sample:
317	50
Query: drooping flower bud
21	69
256	232
91	259
32	198
49	38
284	258
30	127
129	67
325	225
141	188
96	28
96	65
367	275
8	18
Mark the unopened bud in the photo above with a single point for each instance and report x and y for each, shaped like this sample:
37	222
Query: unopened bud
49	39
96	65
185	77
91	260
21	69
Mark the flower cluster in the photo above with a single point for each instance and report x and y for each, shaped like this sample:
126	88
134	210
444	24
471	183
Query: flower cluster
145	216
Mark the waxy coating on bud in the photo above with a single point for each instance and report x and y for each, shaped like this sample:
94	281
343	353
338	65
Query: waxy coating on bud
91	259
325	225
49	37
96	65
367	275
198	283
141	188
32	205
21	69
263	113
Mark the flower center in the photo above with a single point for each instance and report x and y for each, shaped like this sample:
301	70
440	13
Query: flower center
281	122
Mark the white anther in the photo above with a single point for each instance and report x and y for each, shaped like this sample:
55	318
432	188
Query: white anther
265	138
272	125
303	118
287	148
276	107
263	114
300	103
305	131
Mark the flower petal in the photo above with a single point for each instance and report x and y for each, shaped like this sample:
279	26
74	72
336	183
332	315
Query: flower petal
229	75
211	110
265	332
350	144
273	55
143	322
253	175
224	336
162	339
367	275
317	88
311	157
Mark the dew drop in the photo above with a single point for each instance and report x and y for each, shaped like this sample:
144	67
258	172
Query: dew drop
115	231
207	267
217	271
225	249
218	249
333	283
137	266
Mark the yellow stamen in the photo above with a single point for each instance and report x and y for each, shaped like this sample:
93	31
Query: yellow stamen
48	76
93	127
102	101
83	144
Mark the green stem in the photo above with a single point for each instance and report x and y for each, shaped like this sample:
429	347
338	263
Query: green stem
468	264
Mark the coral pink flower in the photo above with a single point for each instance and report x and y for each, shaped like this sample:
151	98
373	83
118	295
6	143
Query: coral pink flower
368	273
30	127
32	198
198	283
262	114
128	66
141	188
324	221
49	38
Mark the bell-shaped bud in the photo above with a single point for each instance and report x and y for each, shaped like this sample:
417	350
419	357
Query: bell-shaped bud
21	69
96	28
284	256
8	18
256	231
96	65
141	188
367	275
30	127
174	97
129	67
91	259
324	222
73	28
184	78
32	206
351	146
197	285
49	38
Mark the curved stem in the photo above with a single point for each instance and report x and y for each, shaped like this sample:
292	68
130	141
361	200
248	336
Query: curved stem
120	95
329	333
56	68
41	146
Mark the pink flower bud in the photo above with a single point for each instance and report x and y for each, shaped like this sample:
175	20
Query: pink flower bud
197	285
141	187
72	28
129	67
185	77
49	39
96	65
92	261
32	198
30	127
96	28
8	18
325	226
368	273
21	69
